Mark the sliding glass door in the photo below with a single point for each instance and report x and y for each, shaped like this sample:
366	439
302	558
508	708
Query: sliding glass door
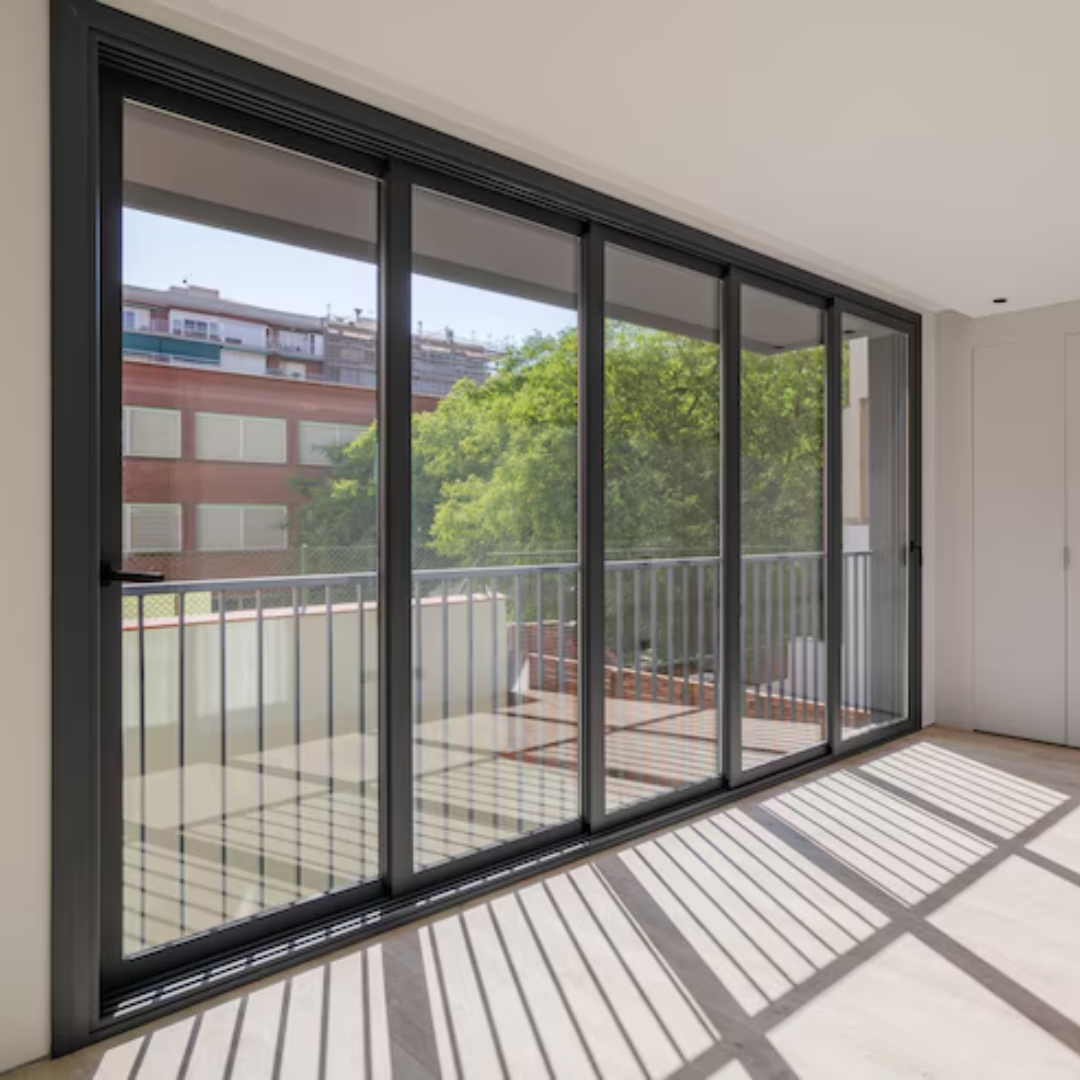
444	520
251	530
496	745
249	668
876	541
662	524
782	576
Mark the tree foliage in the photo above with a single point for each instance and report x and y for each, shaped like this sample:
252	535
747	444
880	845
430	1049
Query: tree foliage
494	466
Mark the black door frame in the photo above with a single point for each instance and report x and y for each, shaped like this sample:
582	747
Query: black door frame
101	56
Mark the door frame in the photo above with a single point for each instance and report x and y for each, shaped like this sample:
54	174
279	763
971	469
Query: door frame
99	55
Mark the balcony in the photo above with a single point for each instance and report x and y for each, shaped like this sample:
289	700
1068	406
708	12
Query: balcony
308	349
250	715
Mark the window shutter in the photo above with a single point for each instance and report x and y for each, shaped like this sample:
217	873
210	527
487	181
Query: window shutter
219	528
218	438
315	437
312	440
264	440
241	438
264	528
152	528
153	433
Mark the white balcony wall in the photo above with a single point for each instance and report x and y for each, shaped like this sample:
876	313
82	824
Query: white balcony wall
241	332
447	650
805	659
25	849
247	363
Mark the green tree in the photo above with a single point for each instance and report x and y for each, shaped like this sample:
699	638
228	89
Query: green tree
495	465
782	421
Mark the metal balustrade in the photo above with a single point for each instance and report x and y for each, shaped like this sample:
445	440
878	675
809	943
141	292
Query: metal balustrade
250	714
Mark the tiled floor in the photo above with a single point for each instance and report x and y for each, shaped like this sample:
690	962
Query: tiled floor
915	913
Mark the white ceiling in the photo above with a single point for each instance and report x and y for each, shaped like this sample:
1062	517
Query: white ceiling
927	150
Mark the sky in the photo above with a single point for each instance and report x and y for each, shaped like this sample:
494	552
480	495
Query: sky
161	251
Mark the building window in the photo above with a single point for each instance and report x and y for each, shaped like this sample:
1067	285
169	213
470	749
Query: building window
315	439
199	329
136	319
241	528
151	432
152	527
258	439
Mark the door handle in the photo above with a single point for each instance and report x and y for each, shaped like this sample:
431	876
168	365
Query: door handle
110	575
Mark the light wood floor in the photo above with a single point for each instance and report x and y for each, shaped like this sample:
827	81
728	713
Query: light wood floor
914	913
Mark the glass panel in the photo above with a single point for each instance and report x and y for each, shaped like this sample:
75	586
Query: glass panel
782	569
495	571
874	684
662	617
249	700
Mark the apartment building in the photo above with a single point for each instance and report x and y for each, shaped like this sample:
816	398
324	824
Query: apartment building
230	408
195	325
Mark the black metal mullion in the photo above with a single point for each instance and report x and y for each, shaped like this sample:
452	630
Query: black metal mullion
76	943
453	187
731	520
395	548
109	815
915	550
591	526
834	525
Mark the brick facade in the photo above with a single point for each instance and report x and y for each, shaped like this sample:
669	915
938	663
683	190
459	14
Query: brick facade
685	688
189	482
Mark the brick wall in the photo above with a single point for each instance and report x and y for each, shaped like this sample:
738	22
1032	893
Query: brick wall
550	633
628	686
189	482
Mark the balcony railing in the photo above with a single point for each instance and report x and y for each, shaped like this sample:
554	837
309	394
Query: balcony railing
250	713
297	348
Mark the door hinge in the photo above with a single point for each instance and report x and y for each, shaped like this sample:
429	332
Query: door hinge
1068	557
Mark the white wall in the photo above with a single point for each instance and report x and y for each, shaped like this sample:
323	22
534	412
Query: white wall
953	504
1034	332
24	533
244	333
249	363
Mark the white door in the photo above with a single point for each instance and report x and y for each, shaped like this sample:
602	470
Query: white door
1019	542
1072	511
